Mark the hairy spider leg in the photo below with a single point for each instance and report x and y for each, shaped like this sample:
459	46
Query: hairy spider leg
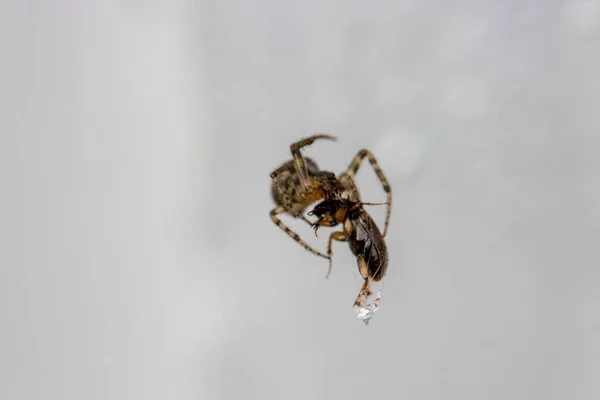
299	159
281	209
353	168
348	183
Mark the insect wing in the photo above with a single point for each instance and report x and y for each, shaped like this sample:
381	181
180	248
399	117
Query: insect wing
374	249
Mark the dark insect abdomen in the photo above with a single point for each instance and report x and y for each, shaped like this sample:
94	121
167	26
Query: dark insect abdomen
367	242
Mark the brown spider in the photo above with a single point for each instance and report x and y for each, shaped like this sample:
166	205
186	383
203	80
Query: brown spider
299	183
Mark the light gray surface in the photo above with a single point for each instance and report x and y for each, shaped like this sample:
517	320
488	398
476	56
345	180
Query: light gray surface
138	259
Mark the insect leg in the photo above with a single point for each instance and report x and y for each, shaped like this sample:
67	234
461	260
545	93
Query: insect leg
279	210
353	168
340	237
364	292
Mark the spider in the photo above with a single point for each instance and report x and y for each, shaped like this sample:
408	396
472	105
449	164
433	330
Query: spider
298	183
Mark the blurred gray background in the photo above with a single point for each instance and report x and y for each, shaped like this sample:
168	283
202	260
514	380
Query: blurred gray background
138	260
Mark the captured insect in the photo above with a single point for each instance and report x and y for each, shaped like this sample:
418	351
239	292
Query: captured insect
299	183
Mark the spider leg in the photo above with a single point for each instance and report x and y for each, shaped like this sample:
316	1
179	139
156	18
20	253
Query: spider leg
353	168
348	182
299	159
340	237
281	209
